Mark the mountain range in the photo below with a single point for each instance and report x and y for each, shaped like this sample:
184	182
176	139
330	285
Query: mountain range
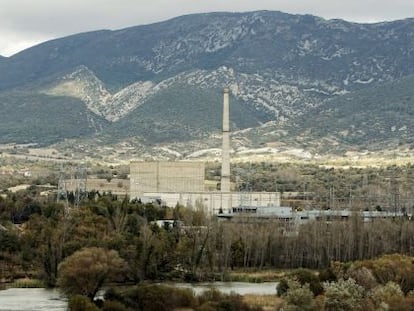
295	80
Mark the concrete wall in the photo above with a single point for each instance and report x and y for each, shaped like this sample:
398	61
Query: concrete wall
166	177
214	201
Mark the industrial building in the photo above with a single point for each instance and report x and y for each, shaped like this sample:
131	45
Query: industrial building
299	217
161	177
217	202
183	182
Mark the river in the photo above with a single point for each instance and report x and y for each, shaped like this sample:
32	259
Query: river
241	288
32	299
40	299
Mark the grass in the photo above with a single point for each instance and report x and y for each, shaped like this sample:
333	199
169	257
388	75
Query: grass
27	283
255	276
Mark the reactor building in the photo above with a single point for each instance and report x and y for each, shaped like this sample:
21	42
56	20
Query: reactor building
165	177
182	182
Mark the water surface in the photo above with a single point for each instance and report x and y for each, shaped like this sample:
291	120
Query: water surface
32	299
241	288
40	299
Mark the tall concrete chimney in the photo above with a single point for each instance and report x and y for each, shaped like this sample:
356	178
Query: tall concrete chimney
225	162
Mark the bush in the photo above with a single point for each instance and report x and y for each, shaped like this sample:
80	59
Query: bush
112	294
343	295
234	302
303	276
401	304
383	294
363	276
212	294
327	275
150	297
298	297
392	268
282	287
110	305
81	303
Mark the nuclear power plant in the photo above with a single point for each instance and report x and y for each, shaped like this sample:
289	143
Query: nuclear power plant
183	182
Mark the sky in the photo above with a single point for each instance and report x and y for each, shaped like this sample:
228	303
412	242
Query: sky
24	23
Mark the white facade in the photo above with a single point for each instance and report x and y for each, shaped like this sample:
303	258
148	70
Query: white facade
214	202
184	176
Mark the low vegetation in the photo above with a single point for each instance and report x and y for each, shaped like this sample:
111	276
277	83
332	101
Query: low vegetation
386	285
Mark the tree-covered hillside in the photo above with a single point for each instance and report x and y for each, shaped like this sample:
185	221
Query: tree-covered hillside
28	118
182	112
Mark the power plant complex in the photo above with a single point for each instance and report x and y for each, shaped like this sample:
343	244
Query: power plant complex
183	182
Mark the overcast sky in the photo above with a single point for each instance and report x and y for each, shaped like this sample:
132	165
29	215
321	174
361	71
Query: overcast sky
27	22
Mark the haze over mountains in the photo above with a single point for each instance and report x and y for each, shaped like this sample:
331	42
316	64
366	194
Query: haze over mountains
296	80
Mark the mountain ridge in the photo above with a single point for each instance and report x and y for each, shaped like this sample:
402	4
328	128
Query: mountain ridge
150	53
280	68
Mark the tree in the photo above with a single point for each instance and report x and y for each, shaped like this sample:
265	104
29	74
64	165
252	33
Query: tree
85	271
43	240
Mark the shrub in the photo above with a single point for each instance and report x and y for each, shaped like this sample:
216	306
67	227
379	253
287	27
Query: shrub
212	294
110	305
303	276
327	275
234	302
363	276
401	304
383	294
298	297
151	297
112	294
282	287
392	268
81	303
344	295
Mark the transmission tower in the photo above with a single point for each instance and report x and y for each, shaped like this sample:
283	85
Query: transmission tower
80	177
62	192
395	188
395	193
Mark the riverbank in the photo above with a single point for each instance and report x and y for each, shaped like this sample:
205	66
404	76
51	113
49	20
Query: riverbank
255	276
261	295
23	283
